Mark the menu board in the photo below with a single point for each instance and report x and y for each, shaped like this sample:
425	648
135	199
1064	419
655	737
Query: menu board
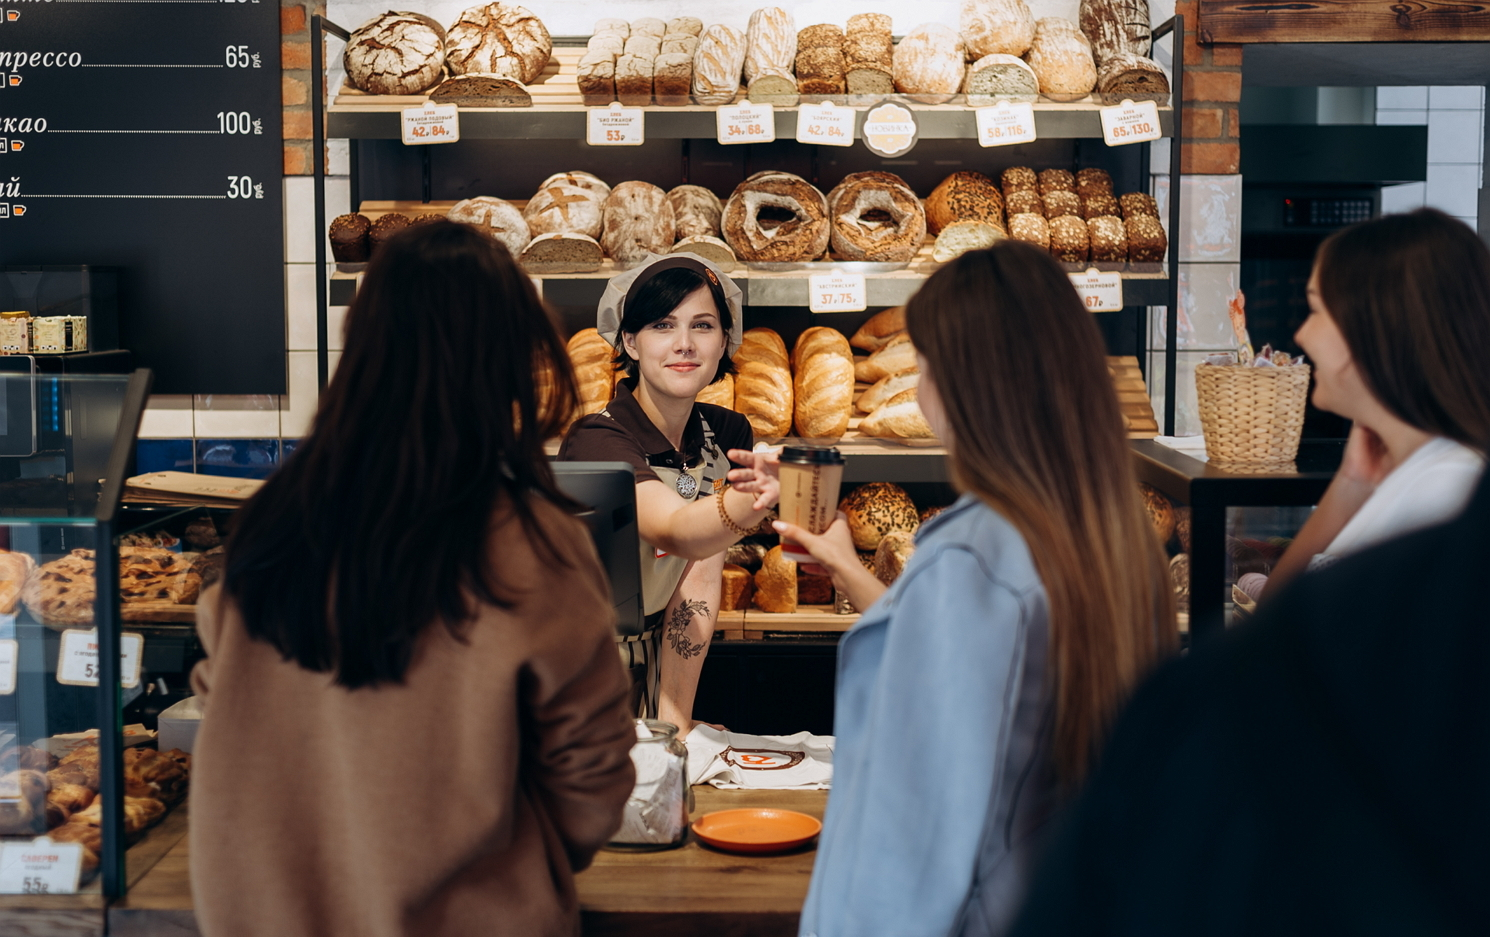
145	135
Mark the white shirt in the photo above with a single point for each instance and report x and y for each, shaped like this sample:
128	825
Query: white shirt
1431	487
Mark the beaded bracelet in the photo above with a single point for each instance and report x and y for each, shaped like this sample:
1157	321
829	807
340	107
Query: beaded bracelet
729	523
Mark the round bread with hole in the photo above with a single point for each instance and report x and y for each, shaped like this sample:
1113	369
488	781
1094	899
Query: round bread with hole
776	217
876	219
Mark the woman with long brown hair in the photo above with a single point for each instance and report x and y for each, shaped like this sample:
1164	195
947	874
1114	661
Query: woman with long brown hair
415	718
976	690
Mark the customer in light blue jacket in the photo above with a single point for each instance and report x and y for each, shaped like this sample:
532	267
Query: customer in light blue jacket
975	691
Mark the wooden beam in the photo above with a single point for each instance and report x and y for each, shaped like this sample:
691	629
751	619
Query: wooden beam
1343	21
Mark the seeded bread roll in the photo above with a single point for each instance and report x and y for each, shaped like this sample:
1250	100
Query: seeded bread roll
1062	58
563	253
499	39
1092	177
395	53
1030	228
1109	239
1069	241
960	237
596	76
649	26
876	218
709	248
565	209
384	228
646	46
1116	27
580	179
717	64
1056	180
1018	177
876	510
1024	201
1130	74
499	218
348	234
763	383
672	78
637	221
696	211
471	90
929	64
996	26
634	80
1059	202
685	26
1093	206
1146	240
776	217
964	196
999	77
1138	203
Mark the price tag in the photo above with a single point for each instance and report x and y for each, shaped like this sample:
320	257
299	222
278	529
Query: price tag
40	867
431	123
825	123
1130	123
10	655
77	662
746	123
837	292
1099	292
615	126
1005	123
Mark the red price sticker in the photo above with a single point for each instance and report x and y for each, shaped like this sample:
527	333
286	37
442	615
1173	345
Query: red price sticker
746	123
837	292
1130	123
1099	291
826	124
38	867
615	126
430	123
1005	124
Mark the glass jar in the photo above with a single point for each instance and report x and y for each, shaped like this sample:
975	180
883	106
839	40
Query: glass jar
656	815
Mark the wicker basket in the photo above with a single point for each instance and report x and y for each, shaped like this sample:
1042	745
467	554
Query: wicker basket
1251	415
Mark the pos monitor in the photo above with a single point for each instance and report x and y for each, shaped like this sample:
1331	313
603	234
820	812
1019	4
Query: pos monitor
608	489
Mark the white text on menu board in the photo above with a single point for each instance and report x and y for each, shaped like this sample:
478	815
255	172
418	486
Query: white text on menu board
826	124
746	123
1130	123
40	867
837	292
1099	291
615	126
77	661
1006	123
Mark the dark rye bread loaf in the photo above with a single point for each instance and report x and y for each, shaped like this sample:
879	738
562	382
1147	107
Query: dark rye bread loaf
481	91
349	243
384	228
1115	27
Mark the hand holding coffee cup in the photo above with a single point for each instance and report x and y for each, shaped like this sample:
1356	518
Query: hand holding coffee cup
810	478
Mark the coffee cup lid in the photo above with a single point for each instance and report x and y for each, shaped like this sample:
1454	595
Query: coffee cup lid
812	455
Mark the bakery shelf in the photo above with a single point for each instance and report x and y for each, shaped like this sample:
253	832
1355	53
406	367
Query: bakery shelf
752	624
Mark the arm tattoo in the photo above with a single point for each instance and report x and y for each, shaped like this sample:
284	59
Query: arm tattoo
677	626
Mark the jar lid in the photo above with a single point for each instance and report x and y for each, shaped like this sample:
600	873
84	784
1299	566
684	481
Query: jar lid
812	455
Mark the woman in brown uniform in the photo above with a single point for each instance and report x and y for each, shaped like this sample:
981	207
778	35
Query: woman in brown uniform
675	323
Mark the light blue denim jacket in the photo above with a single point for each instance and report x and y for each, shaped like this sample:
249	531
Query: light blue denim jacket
941	768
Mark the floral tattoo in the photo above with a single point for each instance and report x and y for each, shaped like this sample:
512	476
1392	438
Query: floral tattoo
677	627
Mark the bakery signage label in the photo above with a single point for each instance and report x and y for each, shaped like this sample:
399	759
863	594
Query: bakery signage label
77	661
1099	291
615	126
890	130
826	124
1006	123
10	655
746	123
1130	123
837	292
430	123
40	867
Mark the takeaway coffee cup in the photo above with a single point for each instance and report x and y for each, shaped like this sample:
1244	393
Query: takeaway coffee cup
810	477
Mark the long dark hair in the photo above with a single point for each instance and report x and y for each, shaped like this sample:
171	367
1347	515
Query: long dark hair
656	298
1411	295
452	377
1037	434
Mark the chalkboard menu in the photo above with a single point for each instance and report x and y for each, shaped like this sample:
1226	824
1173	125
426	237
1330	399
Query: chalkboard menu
145	135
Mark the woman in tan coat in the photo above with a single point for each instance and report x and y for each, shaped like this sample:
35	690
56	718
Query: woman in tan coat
415	718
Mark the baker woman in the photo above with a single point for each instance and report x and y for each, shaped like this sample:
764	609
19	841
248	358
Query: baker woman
675	324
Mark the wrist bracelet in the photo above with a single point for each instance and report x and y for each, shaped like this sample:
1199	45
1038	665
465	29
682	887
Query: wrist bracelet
729	523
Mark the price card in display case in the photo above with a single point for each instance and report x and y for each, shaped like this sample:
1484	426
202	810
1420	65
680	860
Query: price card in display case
1130	123
1006	123
746	123
837	292
826	123
40	867
77	661
1099	291
615	126
430	123
10	655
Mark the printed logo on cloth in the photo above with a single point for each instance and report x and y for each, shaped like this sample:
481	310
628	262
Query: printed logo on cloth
760	759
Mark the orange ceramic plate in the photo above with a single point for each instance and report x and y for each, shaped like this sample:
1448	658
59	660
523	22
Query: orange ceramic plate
761	829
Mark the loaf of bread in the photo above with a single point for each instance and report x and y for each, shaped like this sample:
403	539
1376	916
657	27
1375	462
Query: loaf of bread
385	228
1139	203
563	252
637	220
959	237
929	64
995	26
1068	239
721	393
684	26
1016	178
820	36
596	77
763	383
1116	27
770	53
776	217
1056	180
672	78
471	90
634	80
876	217
395	53
899	418
1147	243
879	329
824	394
1095	205
649	26
1000	77
1024	201
1109	239
869	55
499	39
499	218
776	583
687	45
880	392
1093	180
709	248
1061	202
717	65
15	571
648	47
964	196
607	43
877	509
696	211
580	179
895	356
820	62
349	239
890	557
1160	511
1062	58
594	369
737	588
566	209
819	340
1129	74
612	25
1030	228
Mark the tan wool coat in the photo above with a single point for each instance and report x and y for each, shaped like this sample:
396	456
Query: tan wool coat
460	802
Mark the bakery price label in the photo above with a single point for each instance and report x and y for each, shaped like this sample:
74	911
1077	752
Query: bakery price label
615	126
746	123
10	655
1006	123
827	124
1130	123
837	292
431	123
77	661
40	867
1099	291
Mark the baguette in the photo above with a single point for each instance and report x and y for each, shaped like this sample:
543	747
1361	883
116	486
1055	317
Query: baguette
879	329
899	417
885	388
898	355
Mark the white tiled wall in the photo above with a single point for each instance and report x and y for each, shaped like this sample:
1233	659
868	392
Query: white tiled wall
1455	118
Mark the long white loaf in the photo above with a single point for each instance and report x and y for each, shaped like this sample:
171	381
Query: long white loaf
717	65
772	44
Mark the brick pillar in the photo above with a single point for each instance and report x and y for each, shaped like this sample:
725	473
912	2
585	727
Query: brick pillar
1213	92
294	50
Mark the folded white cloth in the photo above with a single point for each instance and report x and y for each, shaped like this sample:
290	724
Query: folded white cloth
732	761
1193	446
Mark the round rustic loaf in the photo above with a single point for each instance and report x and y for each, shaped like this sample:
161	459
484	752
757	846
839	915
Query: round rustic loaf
711	249
1109	239
876	509
1129	74
964	196
1116	27
776	217
995	26
1030	228
1062	58
584	180
563	209
876	219
499	218
1069	241
637	221
696	211
563	252
930	64
500	39
395	53
384	228
999	76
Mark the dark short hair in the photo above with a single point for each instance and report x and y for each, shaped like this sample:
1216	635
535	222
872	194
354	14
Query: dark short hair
1411	295
656	298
